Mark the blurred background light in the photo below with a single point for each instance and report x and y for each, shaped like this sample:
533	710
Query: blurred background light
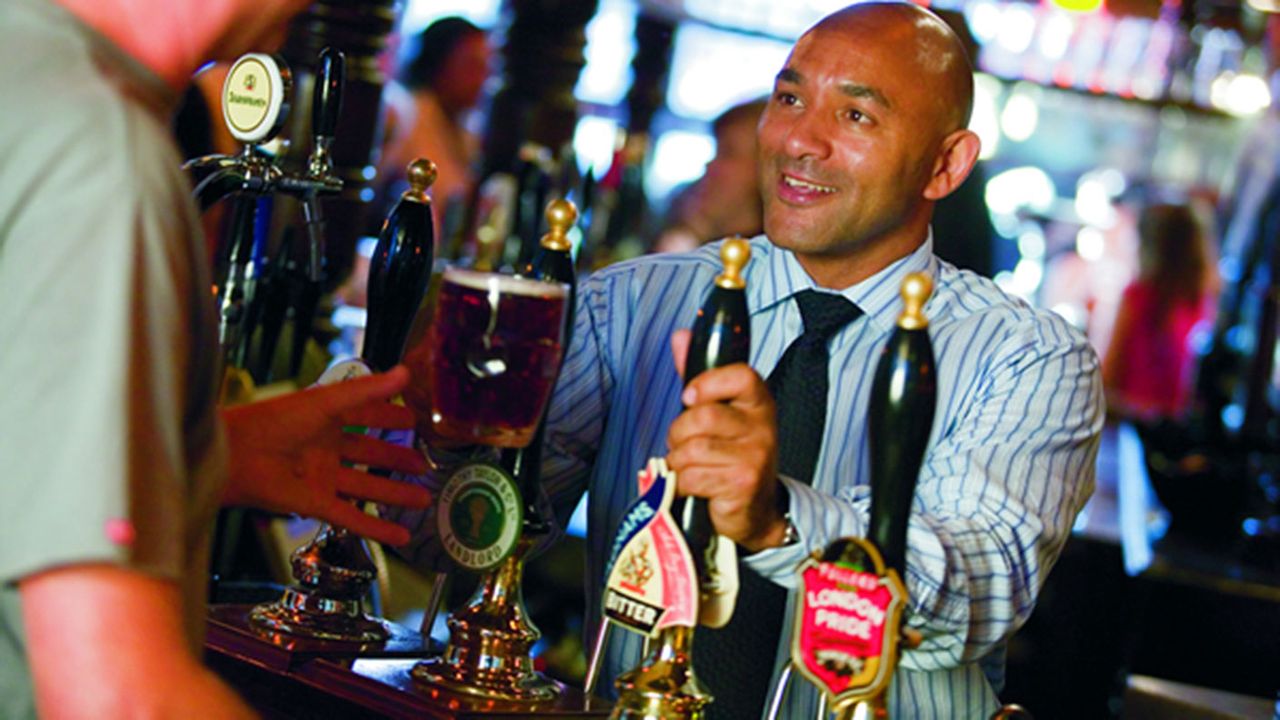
418	15
1093	205
1241	95
1071	313
1020	187
1031	243
984	122
1091	244
678	157
713	69
594	141
1021	113
1055	35
984	20
1017	28
610	46
1027	275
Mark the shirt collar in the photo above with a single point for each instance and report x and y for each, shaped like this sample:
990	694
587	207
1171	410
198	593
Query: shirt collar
775	274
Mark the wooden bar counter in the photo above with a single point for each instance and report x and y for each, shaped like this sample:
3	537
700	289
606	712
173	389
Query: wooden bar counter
297	678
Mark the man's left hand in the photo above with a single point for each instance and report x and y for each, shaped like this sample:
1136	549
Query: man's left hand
724	449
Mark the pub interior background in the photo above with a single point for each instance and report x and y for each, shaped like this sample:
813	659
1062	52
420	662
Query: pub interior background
1087	111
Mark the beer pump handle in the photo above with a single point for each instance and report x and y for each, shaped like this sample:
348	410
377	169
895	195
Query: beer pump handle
553	259
326	105
551	262
903	398
533	184
400	270
721	336
235	292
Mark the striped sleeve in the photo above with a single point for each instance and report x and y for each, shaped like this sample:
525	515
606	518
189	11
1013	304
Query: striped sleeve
580	403
1000	490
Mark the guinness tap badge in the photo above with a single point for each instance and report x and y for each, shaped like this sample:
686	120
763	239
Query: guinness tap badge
255	97
479	516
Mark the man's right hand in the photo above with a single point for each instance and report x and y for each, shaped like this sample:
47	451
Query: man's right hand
724	449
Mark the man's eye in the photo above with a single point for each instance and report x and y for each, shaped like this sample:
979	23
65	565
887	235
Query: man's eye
856	115
786	98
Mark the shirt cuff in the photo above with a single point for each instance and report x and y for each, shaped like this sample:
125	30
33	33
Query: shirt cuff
807	508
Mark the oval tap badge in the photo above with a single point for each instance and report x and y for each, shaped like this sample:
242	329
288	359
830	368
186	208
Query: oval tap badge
479	515
254	97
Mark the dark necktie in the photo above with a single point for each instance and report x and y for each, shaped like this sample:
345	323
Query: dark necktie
735	662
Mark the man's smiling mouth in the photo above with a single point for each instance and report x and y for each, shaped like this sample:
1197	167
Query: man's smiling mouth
805	185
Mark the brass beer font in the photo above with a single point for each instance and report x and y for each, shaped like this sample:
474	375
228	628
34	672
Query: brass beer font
333	572
664	685
869	572
490	640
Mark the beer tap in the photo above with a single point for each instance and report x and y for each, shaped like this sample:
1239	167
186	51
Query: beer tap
491	638
721	336
255	104
399	270
552	262
320	179
533	184
333	572
854	672
664	684
903	398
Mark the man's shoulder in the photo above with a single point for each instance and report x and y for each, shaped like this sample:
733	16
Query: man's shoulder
970	304
65	109
660	272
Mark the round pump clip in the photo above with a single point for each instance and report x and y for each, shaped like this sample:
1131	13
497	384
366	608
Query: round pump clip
255	97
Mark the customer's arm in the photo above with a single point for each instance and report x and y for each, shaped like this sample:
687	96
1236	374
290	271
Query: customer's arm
107	641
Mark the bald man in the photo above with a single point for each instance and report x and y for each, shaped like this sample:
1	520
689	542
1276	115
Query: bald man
864	132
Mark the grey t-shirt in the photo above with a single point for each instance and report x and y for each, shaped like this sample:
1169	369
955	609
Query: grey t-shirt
111	450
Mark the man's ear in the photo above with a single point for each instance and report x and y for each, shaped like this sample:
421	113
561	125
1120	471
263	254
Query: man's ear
956	158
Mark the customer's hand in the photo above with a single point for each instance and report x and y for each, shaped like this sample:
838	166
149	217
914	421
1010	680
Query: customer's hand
290	454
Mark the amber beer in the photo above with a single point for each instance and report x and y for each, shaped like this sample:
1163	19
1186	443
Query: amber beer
495	345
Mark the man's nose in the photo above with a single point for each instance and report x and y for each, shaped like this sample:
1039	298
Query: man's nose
809	136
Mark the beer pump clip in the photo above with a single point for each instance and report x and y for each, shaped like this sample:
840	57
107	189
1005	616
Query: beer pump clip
848	618
669	571
333	572
255	105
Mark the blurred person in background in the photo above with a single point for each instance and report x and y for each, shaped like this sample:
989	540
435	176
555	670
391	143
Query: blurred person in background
1250	210
1149	364
726	199
427	110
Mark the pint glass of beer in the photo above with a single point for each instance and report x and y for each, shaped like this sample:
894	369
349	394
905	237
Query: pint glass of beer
495	347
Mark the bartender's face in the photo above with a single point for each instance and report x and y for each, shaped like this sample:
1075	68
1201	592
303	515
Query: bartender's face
847	145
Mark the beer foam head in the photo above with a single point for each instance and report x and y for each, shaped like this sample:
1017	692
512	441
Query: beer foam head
504	284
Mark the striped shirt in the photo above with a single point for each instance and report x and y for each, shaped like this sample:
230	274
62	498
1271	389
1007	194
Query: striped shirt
1009	463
